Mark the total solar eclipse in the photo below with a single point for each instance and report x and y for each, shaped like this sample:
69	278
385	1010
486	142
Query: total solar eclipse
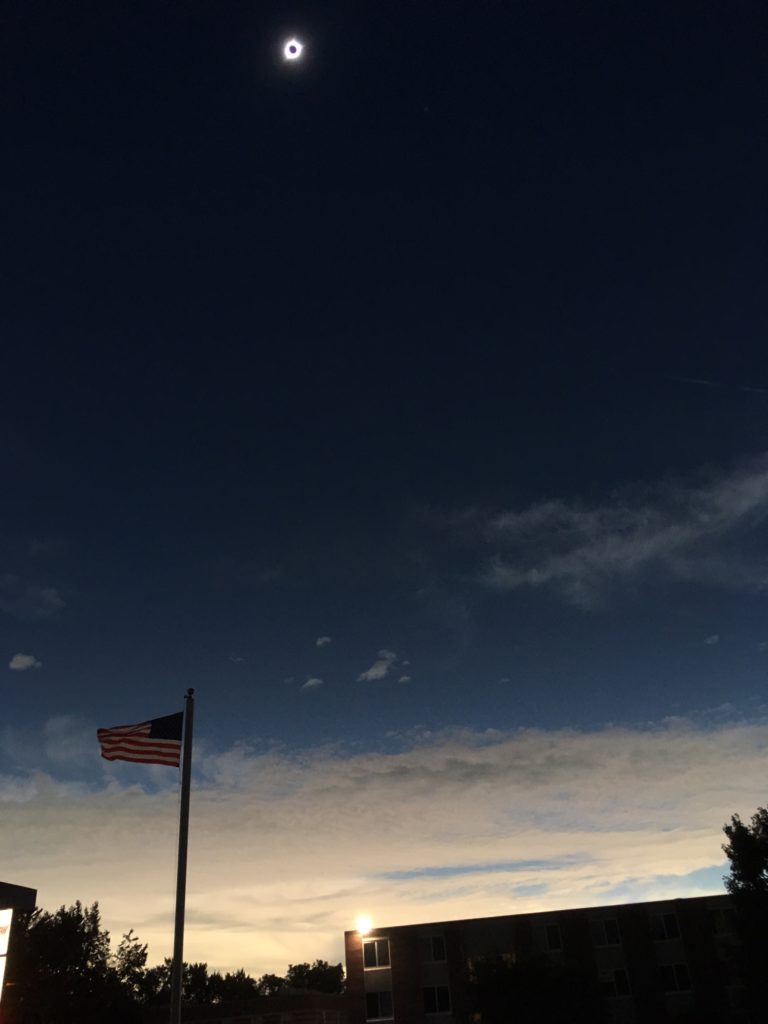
292	49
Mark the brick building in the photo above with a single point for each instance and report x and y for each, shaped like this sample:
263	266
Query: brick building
645	962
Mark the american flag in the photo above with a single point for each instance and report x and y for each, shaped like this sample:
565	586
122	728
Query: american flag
157	741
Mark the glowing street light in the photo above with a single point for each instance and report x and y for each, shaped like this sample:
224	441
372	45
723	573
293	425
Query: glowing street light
292	49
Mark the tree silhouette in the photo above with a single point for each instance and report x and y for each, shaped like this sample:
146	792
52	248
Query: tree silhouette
130	963
319	976
747	851
60	970
270	985
230	987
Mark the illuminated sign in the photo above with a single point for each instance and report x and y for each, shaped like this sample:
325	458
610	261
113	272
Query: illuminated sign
6	916
5	930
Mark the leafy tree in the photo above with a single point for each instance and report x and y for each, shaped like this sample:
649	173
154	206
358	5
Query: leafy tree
130	963
270	985
194	985
747	850
319	976
157	984
325	977
238	986
60	970
197	985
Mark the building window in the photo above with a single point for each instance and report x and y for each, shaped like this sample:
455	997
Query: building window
378	1006
723	921
554	939
664	926
375	953
615	983
437	999
605	932
675	978
434	949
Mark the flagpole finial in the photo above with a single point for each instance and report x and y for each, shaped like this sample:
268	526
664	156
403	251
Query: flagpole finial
191	692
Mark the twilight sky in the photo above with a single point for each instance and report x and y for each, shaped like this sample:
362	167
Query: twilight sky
411	403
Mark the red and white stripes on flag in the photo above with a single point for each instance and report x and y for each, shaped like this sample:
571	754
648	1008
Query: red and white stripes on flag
157	741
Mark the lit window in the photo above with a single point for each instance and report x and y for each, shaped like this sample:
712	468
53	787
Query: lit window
664	926
375	953
554	940
675	978
437	999
378	1006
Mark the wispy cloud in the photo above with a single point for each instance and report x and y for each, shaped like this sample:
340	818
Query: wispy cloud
404	679
312	684
323	641
381	668
710	641
24	662
684	531
468	824
27	600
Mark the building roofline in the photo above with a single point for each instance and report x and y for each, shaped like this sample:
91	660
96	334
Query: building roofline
18	897
541	913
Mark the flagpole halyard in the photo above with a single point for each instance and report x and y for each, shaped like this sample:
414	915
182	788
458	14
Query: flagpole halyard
177	966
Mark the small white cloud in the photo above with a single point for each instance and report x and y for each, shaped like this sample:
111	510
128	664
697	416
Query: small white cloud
710	641
323	641
312	684
404	679
236	659
405	663
505	679
380	668
22	662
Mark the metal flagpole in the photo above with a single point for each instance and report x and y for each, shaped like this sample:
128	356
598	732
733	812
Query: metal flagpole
177	966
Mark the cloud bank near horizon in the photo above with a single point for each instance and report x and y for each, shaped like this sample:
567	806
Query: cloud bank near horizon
286	848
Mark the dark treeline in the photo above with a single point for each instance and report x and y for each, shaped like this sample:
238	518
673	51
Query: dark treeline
62	968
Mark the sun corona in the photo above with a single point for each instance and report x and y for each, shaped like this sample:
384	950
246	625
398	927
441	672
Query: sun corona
292	49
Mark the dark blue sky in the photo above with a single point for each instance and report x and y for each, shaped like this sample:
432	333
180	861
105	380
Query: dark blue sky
448	342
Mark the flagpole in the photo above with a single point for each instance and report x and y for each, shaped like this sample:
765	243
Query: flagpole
177	966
